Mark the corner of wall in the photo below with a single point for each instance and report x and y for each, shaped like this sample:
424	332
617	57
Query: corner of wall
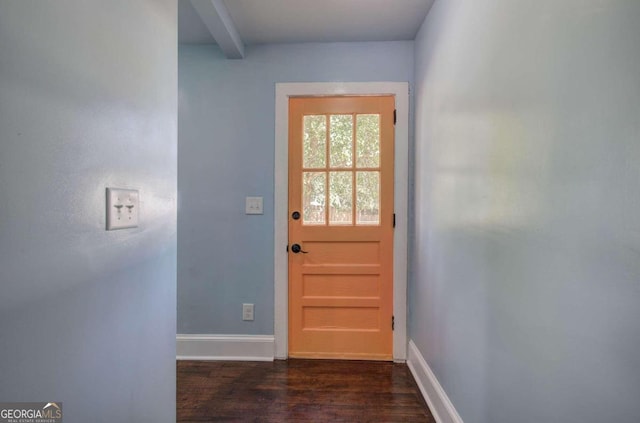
435	396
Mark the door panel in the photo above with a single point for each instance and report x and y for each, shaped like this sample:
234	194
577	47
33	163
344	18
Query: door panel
341	184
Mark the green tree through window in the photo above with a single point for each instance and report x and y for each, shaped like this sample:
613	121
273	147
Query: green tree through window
334	134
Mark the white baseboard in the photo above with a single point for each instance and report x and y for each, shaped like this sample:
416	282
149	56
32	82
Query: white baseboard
225	347
439	404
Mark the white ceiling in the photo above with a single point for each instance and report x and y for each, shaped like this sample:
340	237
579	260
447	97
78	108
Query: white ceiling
292	21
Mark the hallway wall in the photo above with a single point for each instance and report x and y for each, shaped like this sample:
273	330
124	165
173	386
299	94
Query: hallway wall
526	258
88	100
226	132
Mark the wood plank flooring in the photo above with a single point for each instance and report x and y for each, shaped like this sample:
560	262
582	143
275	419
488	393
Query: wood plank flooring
298	391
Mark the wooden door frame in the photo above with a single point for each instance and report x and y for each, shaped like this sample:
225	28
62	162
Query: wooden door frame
281	197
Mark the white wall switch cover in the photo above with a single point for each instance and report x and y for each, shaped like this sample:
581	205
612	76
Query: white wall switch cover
253	205
123	208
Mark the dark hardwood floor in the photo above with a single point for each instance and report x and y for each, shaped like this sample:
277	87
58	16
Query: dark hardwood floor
298	391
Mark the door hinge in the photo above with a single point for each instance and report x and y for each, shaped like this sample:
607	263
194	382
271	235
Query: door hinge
393	322
395	117
394	220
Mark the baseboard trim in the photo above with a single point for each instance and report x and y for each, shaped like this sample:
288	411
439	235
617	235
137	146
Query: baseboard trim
225	347
435	396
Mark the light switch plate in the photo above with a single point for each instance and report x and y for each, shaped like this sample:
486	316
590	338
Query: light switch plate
253	205
123	208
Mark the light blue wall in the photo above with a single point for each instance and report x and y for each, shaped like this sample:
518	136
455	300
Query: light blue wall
525	299
226	132
88	100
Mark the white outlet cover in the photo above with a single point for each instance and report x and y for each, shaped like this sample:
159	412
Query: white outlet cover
123	208
247	312
253	205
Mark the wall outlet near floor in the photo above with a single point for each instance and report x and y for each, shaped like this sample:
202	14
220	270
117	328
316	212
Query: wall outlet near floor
247	311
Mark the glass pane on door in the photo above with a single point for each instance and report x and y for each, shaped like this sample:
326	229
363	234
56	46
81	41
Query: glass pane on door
341	198
368	140
341	136
313	198
314	142
368	198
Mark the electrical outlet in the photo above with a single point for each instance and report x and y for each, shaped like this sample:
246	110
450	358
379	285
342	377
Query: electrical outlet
247	311
123	208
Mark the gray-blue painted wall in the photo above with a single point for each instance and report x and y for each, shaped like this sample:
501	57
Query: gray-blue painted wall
226	125
525	299
88	99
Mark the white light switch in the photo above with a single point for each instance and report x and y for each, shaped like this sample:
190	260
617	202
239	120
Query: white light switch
253	205
123	208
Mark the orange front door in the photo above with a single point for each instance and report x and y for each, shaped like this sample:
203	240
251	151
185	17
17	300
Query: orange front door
341	227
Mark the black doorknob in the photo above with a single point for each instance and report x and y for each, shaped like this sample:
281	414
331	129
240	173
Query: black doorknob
296	248
295	215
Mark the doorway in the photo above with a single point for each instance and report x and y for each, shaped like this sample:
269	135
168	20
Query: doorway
341	222
286	91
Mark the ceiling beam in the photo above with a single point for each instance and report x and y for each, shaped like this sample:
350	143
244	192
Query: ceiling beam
216	17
